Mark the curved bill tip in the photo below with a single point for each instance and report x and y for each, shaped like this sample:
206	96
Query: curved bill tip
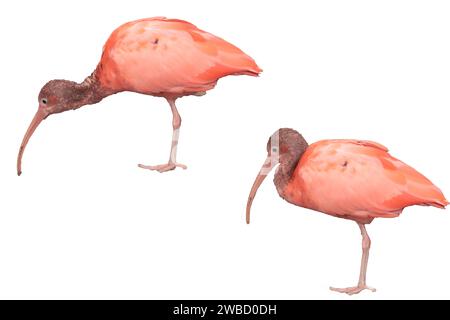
38	117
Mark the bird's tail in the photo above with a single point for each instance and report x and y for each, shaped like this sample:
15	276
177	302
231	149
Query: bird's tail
428	195
441	204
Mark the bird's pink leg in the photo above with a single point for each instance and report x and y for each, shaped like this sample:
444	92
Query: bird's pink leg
364	260
176	124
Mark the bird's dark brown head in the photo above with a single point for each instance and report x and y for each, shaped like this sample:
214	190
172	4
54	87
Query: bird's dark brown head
285	147
58	96
285	144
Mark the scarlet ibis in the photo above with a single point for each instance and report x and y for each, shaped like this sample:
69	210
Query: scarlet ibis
351	179
160	57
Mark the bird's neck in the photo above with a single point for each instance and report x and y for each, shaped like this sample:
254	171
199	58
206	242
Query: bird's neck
90	91
93	91
286	169
284	173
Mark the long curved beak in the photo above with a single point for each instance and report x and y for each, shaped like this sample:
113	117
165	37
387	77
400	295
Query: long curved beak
268	165
38	117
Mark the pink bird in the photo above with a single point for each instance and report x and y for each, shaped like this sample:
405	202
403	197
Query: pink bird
161	57
351	179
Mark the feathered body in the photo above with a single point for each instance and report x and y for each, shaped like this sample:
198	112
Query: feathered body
357	180
162	57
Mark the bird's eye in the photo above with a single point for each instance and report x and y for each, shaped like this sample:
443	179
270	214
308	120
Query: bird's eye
44	101
274	149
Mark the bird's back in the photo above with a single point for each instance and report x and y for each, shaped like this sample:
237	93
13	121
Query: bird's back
168	56
359	180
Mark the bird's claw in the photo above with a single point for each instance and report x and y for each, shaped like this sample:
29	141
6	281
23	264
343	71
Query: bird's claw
353	290
163	167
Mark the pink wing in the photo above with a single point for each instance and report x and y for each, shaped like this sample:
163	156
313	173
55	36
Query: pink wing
160	55
360	180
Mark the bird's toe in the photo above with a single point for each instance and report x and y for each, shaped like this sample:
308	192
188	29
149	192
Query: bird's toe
352	290
163	167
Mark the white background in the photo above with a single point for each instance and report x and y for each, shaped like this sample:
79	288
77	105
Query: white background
84	222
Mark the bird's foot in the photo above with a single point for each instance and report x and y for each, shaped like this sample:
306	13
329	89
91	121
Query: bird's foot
353	290
163	167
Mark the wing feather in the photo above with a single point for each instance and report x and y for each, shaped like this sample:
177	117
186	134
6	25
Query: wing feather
160	55
361	179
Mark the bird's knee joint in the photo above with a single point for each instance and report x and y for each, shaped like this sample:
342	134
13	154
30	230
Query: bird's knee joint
366	243
176	123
